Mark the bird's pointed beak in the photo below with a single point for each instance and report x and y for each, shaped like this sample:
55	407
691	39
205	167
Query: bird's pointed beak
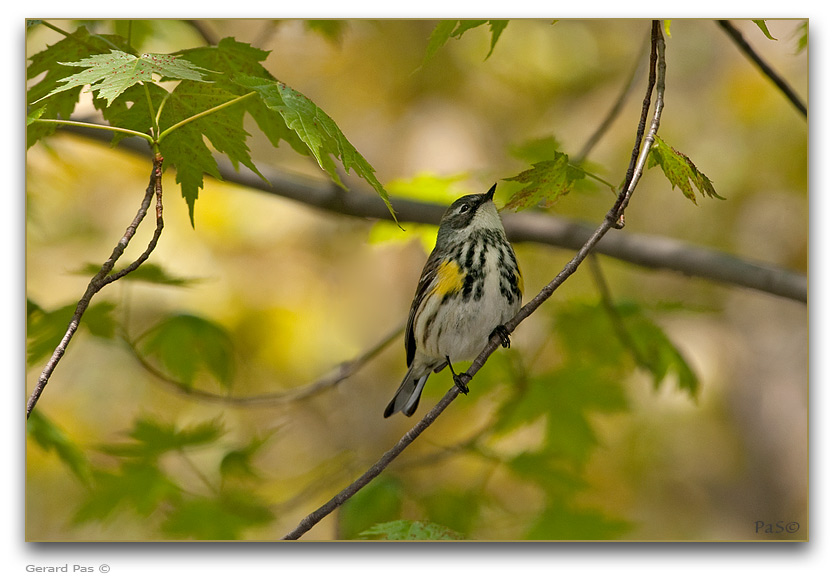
488	195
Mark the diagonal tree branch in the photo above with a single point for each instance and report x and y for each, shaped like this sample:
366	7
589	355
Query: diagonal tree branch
611	220
768	71
104	277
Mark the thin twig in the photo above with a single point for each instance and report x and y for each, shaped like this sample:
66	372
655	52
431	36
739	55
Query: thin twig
610	220
768	71
617	321
154	238
196	470
103	277
641	147
615	110
340	373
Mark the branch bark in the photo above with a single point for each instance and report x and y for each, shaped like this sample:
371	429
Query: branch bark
648	251
766	69
104	277
612	218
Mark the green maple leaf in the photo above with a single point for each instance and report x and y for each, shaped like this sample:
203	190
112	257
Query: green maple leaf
50	437
331	30
626	334
547	181
316	129
185	148
496	27
188	345
441	33
763	27
560	520
408	530
232	58
138	486
447	29
211	78
566	398
151	438
130	110
282	113
680	170
222	517
45	67
45	329
35	115
109	75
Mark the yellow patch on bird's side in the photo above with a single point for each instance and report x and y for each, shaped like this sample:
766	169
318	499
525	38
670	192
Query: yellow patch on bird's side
449	278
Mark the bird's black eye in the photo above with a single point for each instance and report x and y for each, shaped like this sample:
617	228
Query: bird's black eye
464	208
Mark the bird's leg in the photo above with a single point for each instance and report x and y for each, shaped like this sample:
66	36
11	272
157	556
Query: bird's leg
502	333
459	378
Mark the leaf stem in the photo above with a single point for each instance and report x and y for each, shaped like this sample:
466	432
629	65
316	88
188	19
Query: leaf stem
610	186
203	114
155	117
145	136
152	139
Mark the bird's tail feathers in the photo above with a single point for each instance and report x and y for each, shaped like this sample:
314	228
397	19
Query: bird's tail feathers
408	395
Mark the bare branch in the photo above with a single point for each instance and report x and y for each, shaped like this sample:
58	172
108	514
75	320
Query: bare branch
339	374
103	277
611	219
768	71
640	153
649	251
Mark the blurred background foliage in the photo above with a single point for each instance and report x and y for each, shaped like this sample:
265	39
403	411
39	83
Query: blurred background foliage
635	405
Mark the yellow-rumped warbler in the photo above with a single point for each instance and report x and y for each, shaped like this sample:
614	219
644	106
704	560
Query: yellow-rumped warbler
470	286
